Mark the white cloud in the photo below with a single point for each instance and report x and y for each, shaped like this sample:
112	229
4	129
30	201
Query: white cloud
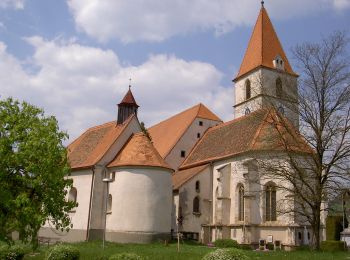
341	4
155	20
81	85
16	4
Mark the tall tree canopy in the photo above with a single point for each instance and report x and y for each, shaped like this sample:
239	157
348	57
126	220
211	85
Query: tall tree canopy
33	170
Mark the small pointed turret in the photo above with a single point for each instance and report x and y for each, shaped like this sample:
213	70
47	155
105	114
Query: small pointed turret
127	107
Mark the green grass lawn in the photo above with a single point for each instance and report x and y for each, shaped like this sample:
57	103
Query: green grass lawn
93	250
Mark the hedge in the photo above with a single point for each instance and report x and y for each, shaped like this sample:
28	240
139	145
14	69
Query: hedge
63	252
125	256
332	245
334	225
226	243
226	254
15	252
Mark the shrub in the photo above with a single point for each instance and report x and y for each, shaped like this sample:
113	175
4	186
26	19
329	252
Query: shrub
270	246
15	252
332	245
334	225
245	247
125	256
62	251
226	254
225	243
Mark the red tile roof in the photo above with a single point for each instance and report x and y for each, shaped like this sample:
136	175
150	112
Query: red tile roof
181	177
93	144
129	99
255	132
167	133
263	47
139	151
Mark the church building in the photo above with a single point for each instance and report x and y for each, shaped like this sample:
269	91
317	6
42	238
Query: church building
195	174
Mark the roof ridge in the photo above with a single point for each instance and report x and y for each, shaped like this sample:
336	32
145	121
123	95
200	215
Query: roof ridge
258	131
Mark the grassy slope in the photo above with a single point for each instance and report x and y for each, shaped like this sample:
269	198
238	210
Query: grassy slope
93	250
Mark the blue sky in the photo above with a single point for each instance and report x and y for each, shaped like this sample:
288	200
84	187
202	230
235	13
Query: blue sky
74	58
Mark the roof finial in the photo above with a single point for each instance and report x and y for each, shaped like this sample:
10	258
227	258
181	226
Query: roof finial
129	83
262	3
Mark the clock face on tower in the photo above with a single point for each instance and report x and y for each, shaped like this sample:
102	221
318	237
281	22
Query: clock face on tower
281	110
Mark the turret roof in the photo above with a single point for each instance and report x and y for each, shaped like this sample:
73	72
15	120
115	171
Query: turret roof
129	99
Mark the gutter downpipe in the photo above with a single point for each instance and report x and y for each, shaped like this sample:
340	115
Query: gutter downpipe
90	204
212	200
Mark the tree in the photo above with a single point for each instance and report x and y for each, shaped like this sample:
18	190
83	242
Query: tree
33	171
310	179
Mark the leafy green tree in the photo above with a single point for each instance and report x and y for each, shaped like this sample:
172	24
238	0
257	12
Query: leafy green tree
33	170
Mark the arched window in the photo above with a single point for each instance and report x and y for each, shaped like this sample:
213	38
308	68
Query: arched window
241	203
196	205
109	203
247	111
198	186
279	89
248	93
72	195
270	202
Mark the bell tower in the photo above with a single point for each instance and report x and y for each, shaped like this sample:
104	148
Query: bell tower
266	78
127	107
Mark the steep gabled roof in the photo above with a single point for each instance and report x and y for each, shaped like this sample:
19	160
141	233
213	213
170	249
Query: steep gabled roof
181	177
129	99
93	144
139	151
264	46
168	132
254	132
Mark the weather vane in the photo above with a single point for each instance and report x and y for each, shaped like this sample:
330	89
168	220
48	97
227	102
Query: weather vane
262	3
130	83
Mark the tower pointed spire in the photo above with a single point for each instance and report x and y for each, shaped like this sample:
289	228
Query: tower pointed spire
127	107
263	48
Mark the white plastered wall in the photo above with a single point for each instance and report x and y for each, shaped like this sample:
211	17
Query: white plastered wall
192	222
188	140
141	200
263	81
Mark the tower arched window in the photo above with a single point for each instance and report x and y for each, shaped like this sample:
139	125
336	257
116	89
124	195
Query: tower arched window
198	186
72	195
279	88
196	205
109	203
248	91
270	202
240	203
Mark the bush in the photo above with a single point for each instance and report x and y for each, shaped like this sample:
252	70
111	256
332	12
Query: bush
62	251
332	245
15	252
245	247
270	246
225	243
334	225
125	256
226	254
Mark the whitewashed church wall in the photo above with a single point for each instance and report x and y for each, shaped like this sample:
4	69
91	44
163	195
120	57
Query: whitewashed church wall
175	211
240	87
82	182
141	200
192	222
187	141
